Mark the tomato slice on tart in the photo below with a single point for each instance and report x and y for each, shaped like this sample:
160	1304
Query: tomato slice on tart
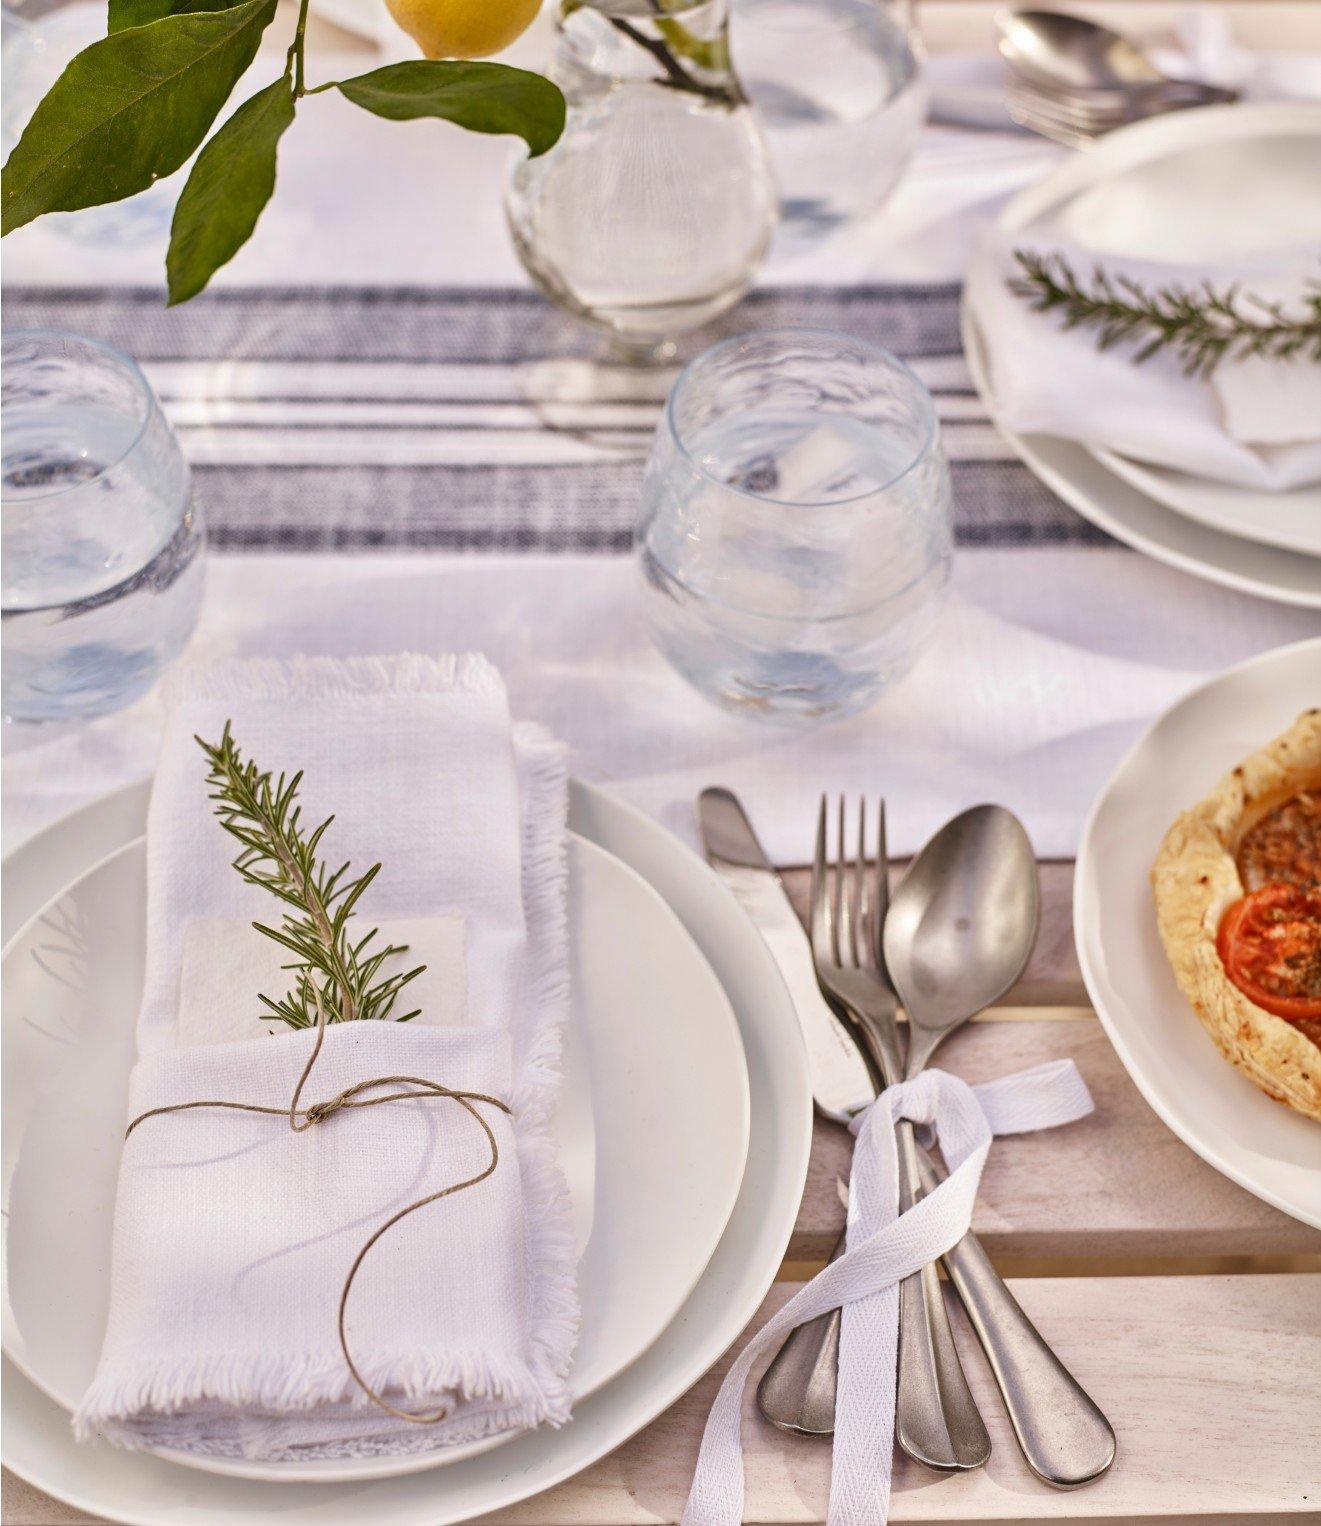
1270	945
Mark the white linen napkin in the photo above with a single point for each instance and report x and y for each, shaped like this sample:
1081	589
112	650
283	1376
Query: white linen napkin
233	1234
1048	379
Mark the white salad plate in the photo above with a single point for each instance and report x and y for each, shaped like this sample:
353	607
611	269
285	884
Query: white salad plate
662	1057
653	1127
1155	190
1271	1150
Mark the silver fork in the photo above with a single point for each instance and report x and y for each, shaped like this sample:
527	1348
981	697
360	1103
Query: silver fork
1078	118
937	1421
1065	1438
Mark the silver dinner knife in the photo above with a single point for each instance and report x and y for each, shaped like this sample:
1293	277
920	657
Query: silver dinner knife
842	1084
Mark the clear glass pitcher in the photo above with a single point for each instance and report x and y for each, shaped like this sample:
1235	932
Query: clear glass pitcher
654	211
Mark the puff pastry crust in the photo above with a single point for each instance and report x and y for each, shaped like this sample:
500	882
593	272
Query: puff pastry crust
1195	880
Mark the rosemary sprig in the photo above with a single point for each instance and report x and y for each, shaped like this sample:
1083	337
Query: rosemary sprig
330	967
1202	325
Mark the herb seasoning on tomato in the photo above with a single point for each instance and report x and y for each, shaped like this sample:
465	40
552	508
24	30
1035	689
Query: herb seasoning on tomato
1270	945
1284	847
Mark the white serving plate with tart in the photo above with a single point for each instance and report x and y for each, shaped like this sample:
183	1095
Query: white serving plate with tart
1212	1104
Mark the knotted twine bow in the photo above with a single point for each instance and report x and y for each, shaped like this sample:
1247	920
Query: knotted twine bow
419	1088
883	1248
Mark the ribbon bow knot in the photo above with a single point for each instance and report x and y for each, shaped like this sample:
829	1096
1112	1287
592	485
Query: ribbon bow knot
883	1247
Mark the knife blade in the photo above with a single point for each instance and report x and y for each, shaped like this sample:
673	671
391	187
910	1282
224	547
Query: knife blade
842	1084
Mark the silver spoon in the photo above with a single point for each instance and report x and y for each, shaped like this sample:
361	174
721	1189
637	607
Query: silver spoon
959	932
1061	53
961	925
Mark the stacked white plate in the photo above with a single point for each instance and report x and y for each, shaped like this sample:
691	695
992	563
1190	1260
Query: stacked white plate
1193	186
685	1131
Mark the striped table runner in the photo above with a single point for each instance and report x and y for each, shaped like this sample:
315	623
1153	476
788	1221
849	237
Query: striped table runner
346	419
388	469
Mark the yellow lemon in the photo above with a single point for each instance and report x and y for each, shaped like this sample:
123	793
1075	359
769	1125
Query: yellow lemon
463	28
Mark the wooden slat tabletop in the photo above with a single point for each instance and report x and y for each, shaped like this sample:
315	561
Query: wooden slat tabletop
1118	1184
1206	1380
1213	1382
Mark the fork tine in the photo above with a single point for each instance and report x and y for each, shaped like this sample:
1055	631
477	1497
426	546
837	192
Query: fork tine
819	916
861	948
1026	117
1069	109
882	884
837	900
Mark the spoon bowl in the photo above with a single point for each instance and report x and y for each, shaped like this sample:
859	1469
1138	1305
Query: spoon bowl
1063	52
962	923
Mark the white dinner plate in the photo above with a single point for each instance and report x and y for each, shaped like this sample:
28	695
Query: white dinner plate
653	1126
1155	190
1290	518
138	1487
1266	1147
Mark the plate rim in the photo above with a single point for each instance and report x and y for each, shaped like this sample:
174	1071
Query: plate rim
766	1211
445	1457
1135	473
1084	903
1061	482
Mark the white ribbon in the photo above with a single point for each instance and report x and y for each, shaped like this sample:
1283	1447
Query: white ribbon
883	1248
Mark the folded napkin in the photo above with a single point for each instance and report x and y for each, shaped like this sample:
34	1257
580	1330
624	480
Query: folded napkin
1047	379
234	1234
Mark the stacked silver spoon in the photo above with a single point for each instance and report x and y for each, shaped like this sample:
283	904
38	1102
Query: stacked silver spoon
1074	80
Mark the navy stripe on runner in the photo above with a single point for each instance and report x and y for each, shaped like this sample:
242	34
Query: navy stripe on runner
512	504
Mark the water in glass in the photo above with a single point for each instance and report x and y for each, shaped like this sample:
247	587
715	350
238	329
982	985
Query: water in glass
102	571
794	538
840	94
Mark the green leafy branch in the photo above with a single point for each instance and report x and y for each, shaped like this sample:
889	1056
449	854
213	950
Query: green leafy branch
674	40
332	969
671	41
136	105
1202	325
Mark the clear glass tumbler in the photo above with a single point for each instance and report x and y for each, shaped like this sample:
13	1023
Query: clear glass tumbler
102	546
795	528
840	94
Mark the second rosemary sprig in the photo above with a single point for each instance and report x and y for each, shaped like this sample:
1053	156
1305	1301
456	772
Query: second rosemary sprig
1201	324
331	966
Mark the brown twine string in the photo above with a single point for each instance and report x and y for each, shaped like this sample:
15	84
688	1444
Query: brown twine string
302	1119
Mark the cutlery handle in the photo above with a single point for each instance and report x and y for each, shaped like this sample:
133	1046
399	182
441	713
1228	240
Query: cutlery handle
797	1391
937	1422
1172	92
1065	1438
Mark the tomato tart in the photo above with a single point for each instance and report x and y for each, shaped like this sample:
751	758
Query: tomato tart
1238	903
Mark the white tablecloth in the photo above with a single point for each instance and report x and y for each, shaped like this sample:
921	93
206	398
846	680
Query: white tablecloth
336	402
1048	664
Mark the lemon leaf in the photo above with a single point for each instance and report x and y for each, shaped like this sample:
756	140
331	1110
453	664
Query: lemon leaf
130	13
482	97
227	188
129	110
